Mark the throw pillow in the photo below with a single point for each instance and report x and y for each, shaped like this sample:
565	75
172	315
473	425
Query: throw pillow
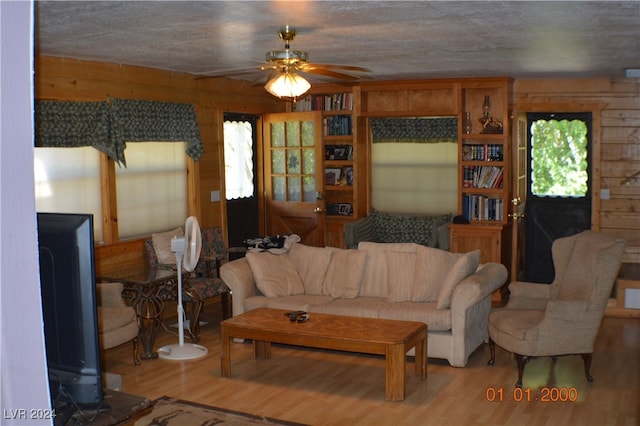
465	266
344	274
275	274
401	268
162	245
431	270
311	264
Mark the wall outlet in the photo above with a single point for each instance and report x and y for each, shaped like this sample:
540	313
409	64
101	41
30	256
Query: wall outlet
215	196
605	194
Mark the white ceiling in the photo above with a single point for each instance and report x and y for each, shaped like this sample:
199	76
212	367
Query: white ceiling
395	40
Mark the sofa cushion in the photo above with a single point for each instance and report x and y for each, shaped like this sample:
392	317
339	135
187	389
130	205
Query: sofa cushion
374	283
432	267
298	302
344	274
162	245
275	274
367	307
401	268
426	312
464	266
311	264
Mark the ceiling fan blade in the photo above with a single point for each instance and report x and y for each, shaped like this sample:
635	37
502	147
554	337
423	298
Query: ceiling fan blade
306	66
329	73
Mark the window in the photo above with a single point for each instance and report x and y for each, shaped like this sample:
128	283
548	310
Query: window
152	190
68	181
414	177
559	158
238	159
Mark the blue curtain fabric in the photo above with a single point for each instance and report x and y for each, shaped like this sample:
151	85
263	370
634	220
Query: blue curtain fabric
415	130
108	127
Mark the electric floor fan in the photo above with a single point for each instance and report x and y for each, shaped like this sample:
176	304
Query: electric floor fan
187	251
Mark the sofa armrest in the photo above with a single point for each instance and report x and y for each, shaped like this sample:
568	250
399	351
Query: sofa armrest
238	277
109	294
470	308
474	288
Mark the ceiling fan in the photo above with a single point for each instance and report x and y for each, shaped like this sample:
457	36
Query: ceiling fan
285	64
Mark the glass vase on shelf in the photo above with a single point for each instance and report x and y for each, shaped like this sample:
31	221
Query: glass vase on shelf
486	107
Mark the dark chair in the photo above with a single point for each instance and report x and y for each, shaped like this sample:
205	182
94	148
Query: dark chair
204	282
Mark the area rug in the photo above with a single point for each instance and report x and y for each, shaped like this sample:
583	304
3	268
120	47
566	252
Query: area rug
169	411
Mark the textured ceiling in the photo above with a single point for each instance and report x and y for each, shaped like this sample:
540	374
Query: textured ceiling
395	40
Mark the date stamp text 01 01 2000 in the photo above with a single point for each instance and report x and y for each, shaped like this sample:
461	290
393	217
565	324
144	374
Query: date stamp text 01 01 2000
552	394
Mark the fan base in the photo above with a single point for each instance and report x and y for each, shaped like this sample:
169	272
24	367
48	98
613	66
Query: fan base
179	352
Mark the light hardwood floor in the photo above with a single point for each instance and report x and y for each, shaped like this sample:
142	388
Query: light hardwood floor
334	388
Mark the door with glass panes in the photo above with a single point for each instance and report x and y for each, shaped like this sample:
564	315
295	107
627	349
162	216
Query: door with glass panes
293	176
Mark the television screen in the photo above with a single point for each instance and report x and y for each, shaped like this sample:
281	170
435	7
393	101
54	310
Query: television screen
67	283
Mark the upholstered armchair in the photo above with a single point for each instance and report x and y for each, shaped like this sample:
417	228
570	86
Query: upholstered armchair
204	282
564	317
117	322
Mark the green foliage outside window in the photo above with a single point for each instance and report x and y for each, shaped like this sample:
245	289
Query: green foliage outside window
559	158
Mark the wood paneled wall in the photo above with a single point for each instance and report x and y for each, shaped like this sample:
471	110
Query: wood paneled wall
618	103
75	80
617	134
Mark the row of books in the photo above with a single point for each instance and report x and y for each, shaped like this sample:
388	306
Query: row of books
482	177
487	152
337	125
480	207
333	102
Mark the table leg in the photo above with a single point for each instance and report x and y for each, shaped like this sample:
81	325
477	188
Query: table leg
421	358
225	354
395	360
261	349
149	311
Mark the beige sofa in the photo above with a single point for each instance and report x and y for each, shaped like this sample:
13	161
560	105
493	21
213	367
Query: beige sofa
449	292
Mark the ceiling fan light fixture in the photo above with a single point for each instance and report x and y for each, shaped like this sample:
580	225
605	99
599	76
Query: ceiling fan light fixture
287	85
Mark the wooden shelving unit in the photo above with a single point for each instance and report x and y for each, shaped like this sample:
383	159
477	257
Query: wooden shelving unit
343	162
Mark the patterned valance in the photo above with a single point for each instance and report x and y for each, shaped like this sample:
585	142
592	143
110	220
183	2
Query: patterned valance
108	127
415	130
151	121
75	124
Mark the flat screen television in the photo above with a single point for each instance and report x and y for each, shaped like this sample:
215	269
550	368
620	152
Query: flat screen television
67	283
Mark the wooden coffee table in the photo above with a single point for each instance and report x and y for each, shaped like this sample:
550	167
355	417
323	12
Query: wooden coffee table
390	338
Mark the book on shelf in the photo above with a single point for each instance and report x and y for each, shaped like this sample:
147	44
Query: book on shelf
330	102
484	152
337	125
481	207
482	176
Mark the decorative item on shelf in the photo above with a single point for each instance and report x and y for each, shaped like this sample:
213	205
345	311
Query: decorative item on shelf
337	152
467	126
489	124
339	209
486	107
348	175
332	176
